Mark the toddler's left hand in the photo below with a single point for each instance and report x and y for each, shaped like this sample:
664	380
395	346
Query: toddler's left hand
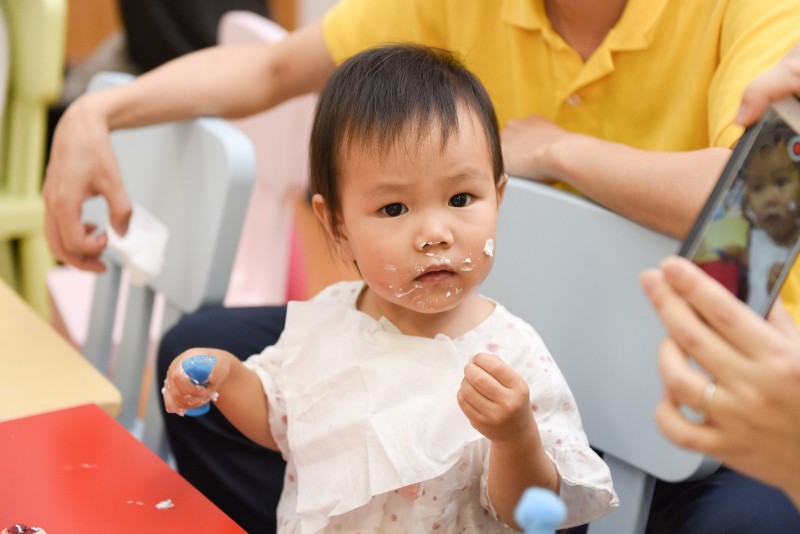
495	399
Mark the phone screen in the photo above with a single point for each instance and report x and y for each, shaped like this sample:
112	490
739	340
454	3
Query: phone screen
748	233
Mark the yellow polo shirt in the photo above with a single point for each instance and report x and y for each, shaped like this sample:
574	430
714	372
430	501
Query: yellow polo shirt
668	77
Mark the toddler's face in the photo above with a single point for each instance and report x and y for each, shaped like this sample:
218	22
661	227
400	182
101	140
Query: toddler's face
417	219
773	190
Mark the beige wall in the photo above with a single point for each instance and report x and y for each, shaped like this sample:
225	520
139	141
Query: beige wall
91	21
88	23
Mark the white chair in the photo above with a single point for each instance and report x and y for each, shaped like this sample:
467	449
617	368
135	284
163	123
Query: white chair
571	268
196	177
263	267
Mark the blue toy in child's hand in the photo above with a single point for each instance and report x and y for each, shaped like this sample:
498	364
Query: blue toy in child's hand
198	368
540	511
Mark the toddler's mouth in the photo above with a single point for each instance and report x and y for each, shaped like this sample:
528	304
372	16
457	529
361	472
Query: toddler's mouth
773	217
436	273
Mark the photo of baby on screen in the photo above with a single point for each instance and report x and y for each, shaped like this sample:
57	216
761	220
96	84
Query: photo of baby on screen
770	203
755	228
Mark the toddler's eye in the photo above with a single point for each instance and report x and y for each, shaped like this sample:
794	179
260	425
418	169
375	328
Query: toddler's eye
460	200
393	210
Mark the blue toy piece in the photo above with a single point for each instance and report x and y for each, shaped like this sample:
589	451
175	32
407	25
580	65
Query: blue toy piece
540	511
198	369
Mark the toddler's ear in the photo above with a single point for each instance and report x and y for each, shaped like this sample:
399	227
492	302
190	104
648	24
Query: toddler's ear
501	188
337	239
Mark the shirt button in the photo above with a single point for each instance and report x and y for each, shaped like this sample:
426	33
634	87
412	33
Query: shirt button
574	100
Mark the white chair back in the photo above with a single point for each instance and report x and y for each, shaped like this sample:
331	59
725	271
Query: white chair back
196	177
571	269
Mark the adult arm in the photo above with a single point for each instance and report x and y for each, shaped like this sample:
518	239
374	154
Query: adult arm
228	81
663	191
752	423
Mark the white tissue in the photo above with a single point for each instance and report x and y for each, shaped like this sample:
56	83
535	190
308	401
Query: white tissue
142	248
382	403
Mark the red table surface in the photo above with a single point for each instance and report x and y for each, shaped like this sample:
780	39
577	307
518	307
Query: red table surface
78	471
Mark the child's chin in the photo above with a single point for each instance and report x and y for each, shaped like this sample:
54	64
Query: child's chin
439	303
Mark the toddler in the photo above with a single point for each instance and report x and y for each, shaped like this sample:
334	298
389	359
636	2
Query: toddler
406	402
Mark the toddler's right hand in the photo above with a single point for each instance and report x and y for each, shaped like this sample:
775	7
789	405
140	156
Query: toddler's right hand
181	393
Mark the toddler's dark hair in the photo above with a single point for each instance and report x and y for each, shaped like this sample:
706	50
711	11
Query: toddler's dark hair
773	142
382	95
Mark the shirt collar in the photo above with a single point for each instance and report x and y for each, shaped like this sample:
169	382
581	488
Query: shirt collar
634	31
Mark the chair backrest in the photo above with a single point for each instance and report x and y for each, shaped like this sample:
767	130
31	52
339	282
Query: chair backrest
37	37
5	68
196	177
280	137
570	268
31	72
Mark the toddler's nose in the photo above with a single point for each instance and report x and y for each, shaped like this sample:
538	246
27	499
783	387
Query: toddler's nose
433	232
433	238
428	245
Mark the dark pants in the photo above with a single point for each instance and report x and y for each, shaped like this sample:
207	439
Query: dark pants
245	480
241	478
726	502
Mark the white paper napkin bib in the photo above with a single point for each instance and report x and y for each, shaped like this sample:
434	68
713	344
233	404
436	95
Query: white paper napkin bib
369	409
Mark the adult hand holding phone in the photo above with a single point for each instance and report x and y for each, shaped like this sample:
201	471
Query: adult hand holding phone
750	390
752	419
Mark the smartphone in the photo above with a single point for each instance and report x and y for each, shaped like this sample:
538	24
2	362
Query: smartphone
748	234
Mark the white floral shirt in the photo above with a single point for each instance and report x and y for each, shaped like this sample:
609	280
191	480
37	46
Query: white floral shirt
367	420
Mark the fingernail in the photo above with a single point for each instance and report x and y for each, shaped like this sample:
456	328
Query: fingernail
673	267
649	278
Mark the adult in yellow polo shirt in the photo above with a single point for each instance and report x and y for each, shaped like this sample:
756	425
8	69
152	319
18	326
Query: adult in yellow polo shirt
628	101
668	78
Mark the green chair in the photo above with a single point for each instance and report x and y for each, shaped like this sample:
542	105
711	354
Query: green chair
36	41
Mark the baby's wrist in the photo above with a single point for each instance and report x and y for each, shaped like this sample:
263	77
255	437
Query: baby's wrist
524	440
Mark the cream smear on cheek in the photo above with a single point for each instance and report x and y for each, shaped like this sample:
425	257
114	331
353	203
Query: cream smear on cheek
488	248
